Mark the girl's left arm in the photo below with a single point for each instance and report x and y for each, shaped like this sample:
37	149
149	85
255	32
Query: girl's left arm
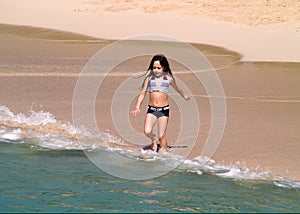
178	89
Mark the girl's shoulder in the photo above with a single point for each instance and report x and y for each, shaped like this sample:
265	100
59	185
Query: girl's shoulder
169	77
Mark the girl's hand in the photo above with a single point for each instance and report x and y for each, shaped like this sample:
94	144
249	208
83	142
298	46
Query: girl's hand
135	111
187	98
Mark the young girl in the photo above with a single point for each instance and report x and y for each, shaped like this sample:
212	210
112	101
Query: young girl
157	83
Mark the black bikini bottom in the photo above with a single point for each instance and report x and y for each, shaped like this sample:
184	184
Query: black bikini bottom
159	111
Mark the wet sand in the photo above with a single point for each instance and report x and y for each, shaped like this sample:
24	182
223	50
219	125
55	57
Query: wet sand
40	67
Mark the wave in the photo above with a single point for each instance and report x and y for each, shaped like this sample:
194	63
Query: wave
42	130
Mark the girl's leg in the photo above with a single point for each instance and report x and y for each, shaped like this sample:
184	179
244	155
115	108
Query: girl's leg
162	128
148	129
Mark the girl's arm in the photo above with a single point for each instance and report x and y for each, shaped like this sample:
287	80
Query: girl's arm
179	90
141	97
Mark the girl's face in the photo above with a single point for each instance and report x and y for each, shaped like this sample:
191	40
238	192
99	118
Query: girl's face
157	69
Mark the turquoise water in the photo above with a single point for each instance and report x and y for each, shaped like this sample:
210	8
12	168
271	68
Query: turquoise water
33	179
43	169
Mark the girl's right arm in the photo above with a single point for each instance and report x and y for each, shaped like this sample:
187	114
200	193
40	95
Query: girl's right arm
141	98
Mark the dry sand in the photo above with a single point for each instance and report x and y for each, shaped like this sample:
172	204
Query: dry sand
259	30
39	67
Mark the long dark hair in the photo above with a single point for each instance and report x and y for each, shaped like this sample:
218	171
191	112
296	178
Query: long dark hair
163	62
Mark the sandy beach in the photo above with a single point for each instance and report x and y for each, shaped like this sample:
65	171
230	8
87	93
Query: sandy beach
40	67
260	30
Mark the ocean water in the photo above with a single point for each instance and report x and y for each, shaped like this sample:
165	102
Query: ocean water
44	169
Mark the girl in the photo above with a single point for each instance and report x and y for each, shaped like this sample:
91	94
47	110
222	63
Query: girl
157	83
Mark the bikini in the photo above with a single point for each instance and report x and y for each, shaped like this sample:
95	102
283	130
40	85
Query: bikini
164	88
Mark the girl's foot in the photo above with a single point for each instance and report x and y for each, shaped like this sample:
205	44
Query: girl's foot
163	151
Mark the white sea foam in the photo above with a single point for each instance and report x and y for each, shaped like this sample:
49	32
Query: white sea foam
40	128
34	118
287	184
14	135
